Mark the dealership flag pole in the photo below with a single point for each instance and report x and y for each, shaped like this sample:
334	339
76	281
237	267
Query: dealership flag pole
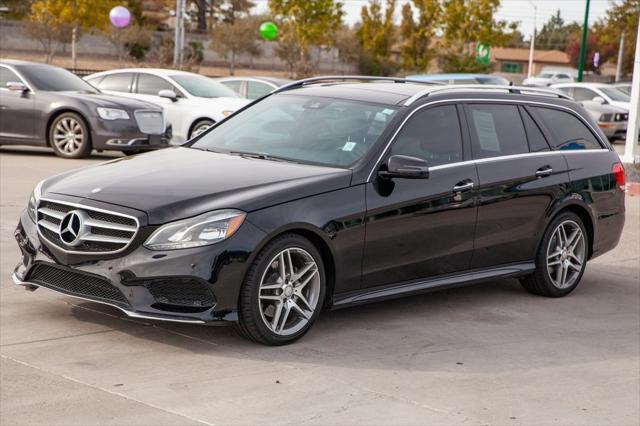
631	146
583	44
533	40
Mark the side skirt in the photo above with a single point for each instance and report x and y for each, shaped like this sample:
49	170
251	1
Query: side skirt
396	290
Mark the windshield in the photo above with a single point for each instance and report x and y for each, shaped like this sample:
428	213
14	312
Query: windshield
327	131
53	79
625	89
546	75
203	87
615	94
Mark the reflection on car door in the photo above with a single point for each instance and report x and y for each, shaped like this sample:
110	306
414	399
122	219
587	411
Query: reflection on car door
418	228
17	110
519	180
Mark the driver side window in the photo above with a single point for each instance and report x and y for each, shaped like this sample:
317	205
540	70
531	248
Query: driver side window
433	135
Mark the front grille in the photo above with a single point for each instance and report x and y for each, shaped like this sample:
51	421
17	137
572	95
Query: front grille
181	294
99	231
150	122
75	283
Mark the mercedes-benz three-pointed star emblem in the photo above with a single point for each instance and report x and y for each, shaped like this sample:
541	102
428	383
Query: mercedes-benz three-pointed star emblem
71	228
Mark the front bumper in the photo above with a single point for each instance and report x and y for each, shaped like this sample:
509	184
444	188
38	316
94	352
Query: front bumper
125	135
613	129
198	286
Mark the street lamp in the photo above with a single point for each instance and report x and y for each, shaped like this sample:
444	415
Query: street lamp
533	39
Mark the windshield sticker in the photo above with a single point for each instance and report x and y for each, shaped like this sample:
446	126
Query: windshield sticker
348	146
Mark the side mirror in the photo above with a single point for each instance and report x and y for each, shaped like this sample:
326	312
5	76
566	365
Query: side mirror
169	94
599	100
16	86
403	166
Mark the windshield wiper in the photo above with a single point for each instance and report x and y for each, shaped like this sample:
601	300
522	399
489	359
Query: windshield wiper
260	156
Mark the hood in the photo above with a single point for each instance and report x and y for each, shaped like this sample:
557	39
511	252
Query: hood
175	183
626	106
108	101
597	107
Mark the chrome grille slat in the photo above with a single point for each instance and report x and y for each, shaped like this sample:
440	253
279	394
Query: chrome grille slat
102	231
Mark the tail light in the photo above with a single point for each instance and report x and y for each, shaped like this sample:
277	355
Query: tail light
618	174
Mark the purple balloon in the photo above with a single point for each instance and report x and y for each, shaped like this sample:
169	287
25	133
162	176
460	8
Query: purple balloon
120	16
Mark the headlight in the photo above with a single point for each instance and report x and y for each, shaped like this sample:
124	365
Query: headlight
112	114
227	113
203	230
33	201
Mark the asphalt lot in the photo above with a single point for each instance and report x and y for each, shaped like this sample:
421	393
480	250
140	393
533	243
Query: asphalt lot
487	354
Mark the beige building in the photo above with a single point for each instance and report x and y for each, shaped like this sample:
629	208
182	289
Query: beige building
506	60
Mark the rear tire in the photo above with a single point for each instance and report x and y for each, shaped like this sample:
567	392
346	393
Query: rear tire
69	136
283	292
561	259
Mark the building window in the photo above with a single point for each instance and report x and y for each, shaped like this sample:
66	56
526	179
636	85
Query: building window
511	67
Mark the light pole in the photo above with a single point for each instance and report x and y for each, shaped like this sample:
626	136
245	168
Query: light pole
583	45
179	34
533	39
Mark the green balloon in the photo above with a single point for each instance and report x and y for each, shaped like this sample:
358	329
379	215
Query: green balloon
268	30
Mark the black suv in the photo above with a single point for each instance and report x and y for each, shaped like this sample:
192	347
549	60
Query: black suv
332	192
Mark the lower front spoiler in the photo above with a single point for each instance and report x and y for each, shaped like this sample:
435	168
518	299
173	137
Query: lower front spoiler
132	314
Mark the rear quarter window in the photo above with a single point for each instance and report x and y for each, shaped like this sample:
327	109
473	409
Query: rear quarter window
567	131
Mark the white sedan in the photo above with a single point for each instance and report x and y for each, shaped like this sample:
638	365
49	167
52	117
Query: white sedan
191	102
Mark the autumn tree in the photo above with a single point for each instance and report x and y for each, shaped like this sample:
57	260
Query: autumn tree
231	39
604	50
466	23
302	25
418	35
376	36
621	18
44	24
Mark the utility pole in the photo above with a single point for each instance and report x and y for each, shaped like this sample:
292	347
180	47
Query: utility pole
533	40
179	34
620	56
631	145
583	45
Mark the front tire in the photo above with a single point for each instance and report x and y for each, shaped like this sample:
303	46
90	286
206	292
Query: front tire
69	136
199	127
561	259
283	292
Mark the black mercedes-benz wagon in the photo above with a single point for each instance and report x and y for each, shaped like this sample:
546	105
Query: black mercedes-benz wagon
333	192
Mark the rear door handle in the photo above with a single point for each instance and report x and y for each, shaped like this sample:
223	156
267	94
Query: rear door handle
465	185
544	171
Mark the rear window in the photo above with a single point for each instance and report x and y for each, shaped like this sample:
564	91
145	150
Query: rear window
496	130
568	131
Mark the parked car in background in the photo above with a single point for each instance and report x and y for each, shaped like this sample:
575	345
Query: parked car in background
461	79
191	102
547	78
253	87
598	92
624	87
44	105
324	196
611	119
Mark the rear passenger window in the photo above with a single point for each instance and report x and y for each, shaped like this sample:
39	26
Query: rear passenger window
537	141
496	130
432	134
116	82
568	131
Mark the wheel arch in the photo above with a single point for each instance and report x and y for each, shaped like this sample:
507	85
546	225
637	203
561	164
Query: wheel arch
579	207
316	237
56	113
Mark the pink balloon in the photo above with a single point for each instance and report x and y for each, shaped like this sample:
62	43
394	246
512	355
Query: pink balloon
120	17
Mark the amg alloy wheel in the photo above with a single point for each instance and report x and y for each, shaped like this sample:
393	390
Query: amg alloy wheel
69	136
283	292
562	258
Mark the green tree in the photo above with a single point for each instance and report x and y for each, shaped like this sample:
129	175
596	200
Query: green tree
466	23
555	33
230	39
418	36
303	24
376	36
621	17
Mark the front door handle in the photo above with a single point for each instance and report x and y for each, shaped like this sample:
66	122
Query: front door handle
544	171
465	185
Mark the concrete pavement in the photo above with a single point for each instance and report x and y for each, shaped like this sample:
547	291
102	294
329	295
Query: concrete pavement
487	354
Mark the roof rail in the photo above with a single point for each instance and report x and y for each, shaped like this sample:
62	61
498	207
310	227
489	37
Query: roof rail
524	90
330	78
